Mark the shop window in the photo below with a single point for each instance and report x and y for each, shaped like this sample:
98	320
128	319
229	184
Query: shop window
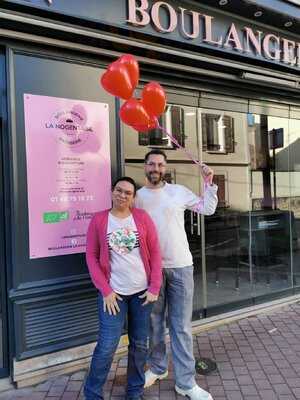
217	133
170	176
173	122
220	181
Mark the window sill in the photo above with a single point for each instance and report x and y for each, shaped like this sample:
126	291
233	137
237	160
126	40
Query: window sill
216	152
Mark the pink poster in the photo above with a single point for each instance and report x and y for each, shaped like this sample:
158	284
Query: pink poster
68	171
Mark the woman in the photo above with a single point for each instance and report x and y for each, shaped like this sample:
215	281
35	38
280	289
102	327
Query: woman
124	262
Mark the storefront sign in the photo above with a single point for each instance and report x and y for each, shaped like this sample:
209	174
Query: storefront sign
200	27
68	171
181	23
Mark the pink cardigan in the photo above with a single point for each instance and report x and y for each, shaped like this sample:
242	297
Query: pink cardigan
97	252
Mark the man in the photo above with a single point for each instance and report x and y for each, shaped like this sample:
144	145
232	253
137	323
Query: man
166	204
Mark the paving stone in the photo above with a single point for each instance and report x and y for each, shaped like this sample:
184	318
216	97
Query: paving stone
244	380
74	386
268	395
166	385
118	391
11	394
56	391
241	370
78	376
258	374
224	366
282	388
293	382
234	395
214	380
70	396
43	387
253	366
52	398
276	378
248	390
231	385
266	361
217	390
167	395
271	369
238	362
251	397
225	375
296	392
61	381
289	373
262	384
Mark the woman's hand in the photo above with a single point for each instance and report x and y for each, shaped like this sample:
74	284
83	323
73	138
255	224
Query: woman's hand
150	298
110	303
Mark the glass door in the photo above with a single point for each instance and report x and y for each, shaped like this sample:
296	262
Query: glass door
224	147
248	240
294	183
271	222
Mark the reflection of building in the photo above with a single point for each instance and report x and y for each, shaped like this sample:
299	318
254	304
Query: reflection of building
223	102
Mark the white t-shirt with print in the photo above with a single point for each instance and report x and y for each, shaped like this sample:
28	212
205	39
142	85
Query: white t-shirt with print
128	275
166	206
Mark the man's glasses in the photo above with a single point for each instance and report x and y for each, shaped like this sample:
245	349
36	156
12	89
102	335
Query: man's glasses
153	164
120	191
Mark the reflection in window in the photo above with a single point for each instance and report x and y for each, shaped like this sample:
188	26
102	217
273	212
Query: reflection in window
217	133
220	181
173	122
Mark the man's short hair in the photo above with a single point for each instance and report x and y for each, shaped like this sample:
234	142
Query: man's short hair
156	152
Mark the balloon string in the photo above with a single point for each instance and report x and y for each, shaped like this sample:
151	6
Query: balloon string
175	141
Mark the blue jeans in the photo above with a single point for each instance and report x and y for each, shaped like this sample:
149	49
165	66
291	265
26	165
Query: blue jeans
110	331
176	301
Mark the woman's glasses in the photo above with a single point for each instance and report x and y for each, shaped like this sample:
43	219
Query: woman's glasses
120	191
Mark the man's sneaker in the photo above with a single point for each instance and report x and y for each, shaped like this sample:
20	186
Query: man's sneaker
151	377
196	393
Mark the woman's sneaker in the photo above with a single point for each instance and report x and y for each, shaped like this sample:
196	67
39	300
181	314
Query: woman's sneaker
151	377
196	393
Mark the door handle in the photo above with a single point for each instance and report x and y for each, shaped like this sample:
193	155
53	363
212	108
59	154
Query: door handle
198	225
192	222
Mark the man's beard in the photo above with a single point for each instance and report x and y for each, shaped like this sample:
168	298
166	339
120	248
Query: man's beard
155	177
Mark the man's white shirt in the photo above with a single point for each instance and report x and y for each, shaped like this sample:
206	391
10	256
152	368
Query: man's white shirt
166	206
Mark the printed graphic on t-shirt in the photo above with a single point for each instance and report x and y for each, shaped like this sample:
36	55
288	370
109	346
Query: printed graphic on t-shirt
123	240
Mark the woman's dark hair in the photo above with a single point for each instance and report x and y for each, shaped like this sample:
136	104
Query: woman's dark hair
126	179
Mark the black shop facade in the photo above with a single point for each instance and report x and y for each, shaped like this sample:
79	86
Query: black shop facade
232	83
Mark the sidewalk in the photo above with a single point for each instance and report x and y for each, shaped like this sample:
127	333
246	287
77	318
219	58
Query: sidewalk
258	358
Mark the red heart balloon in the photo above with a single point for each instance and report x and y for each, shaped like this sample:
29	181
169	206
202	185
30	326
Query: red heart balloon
116	81
154	98
133	113
132	67
145	128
